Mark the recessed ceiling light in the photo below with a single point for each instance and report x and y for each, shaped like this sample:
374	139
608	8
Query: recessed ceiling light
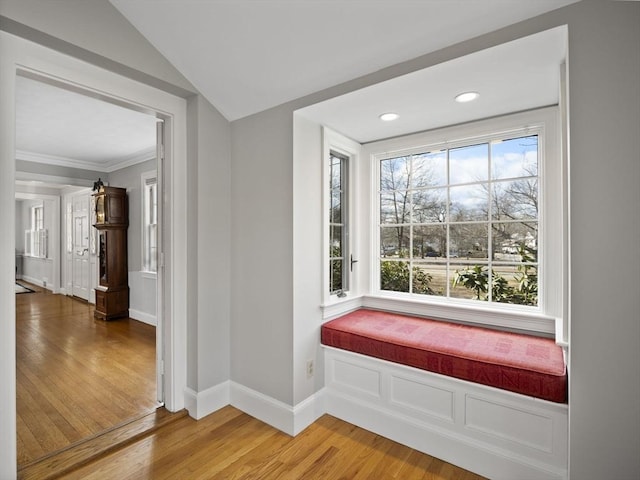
467	97
389	117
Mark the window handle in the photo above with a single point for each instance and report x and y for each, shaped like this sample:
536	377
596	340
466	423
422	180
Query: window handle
352	261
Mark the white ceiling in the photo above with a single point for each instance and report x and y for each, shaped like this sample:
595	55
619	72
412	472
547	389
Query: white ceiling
246	56
512	77
61	127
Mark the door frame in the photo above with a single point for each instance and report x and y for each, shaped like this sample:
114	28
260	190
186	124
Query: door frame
86	195
21	57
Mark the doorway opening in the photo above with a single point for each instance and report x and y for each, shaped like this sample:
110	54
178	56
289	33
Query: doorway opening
78	376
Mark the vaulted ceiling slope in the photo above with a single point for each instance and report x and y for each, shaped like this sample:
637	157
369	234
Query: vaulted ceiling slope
246	56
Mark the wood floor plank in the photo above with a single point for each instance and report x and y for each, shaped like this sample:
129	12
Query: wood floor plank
77	376
231	445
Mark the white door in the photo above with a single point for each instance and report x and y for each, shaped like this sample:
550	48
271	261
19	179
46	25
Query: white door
80	253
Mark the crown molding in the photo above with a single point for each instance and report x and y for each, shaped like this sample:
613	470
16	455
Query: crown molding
103	167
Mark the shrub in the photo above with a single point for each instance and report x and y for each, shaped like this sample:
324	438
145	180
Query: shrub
394	276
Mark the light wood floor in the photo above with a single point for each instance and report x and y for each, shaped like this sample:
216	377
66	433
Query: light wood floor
77	376
229	444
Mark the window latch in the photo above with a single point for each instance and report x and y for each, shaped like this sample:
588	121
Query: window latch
352	261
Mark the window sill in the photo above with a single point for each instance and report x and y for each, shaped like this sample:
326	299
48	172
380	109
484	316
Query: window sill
339	306
531	322
534	323
145	274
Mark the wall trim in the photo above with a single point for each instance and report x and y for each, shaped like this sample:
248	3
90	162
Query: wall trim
143	317
37	281
284	417
201	404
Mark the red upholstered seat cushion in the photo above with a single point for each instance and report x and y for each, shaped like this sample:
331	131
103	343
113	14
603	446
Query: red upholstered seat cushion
520	363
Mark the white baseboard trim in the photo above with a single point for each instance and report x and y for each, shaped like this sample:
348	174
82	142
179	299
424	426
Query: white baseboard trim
201	404
143	317
37	282
288	419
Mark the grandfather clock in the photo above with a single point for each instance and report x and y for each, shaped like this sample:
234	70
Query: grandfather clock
112	221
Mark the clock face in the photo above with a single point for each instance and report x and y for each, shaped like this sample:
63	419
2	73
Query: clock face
100	209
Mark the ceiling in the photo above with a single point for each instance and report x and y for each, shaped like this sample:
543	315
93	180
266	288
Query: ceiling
516	76
246	56
65	128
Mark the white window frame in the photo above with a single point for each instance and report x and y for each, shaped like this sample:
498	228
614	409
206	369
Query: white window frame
36	237
148	178
551	267
334	142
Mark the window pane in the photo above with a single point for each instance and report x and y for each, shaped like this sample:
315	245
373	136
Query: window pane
514	158
515	199
470	281
469	164
429	170
514	242
468	241
394	242
336	173
430	241
335	241
429	206
394	207
430	278
394	174
394	276
335	211
515	284
469	203
336	275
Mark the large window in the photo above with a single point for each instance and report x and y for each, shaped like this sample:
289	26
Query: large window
462	222
469	222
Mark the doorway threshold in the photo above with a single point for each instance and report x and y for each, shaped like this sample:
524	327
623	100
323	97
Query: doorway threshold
75	456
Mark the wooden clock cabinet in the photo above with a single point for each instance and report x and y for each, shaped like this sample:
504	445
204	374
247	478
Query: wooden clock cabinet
112	221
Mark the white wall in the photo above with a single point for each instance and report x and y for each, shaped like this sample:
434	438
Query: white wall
307	257
142	287
261	253
604	388
213	207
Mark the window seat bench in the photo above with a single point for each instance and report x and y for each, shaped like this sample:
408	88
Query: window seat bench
519	363
491	402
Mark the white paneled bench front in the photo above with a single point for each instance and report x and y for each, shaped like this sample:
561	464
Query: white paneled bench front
491	402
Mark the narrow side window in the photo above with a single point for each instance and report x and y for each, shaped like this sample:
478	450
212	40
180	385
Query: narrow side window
339	255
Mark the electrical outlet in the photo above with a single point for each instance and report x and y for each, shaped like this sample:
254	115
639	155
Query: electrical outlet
309	368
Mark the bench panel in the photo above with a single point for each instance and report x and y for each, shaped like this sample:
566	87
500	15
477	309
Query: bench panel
493	432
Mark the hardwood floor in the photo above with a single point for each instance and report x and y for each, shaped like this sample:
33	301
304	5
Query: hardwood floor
77	376
229	444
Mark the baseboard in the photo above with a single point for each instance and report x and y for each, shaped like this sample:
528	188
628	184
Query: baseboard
288	419
201	404
143	317
36	281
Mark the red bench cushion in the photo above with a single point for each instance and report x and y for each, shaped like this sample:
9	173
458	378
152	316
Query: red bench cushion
520	363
